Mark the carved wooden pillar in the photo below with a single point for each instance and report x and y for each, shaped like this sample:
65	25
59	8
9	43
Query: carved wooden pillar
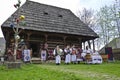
64	40
28	38
84	45
46	40
7	37
89	44
93	45
46	37
80	42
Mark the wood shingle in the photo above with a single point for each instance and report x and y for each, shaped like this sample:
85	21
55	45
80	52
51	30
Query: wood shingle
46	18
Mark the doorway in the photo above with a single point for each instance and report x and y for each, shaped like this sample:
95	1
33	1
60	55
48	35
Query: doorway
35	49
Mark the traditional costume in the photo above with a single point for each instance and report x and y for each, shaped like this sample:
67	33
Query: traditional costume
86	52
79	58
67	56
26	54
96	58
10	55
57	54
43	55
73	56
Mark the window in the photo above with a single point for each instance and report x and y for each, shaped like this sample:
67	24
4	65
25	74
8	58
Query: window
60	16
45	13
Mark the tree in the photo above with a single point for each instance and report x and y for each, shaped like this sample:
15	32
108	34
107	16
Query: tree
19	18
87	16
106	21
116	12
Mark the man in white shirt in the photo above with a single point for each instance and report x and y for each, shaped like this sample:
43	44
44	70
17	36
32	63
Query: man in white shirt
58	52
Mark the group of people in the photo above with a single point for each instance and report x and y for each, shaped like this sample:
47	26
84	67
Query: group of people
75	55
24	53
71	54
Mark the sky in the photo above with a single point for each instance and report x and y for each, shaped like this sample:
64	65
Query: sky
7	8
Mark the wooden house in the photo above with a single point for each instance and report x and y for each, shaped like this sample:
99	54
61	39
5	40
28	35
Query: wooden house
115	46
46	23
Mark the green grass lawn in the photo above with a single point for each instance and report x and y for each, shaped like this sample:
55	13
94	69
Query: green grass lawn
105	71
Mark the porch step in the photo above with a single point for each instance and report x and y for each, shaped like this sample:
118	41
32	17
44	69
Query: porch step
36	60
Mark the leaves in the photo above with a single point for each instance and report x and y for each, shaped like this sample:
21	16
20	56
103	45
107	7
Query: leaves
106	22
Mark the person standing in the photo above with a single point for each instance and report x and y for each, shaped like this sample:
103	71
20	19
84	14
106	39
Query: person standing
67	54
43	53
26	55
10	54
73	56
57	52
79	58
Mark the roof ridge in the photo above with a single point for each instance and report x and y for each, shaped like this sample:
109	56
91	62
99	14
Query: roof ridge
48	5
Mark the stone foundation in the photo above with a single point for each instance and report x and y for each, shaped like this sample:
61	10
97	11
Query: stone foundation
12	65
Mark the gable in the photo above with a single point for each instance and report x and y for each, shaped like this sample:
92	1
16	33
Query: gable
48	18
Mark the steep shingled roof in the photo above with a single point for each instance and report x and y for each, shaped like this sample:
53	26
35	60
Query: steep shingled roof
48	18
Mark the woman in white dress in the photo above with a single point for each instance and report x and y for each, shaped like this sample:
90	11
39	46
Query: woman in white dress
43	52
73	56
67	54
26	54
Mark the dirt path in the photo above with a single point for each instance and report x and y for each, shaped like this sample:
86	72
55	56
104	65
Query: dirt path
89	74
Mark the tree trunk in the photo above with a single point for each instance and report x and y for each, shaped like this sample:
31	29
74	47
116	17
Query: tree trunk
15	49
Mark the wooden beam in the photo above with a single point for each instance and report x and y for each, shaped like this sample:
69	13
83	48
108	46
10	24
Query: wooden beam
93	45
84	45
7	44
80	42
28	38
89	44
46	37
64	40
